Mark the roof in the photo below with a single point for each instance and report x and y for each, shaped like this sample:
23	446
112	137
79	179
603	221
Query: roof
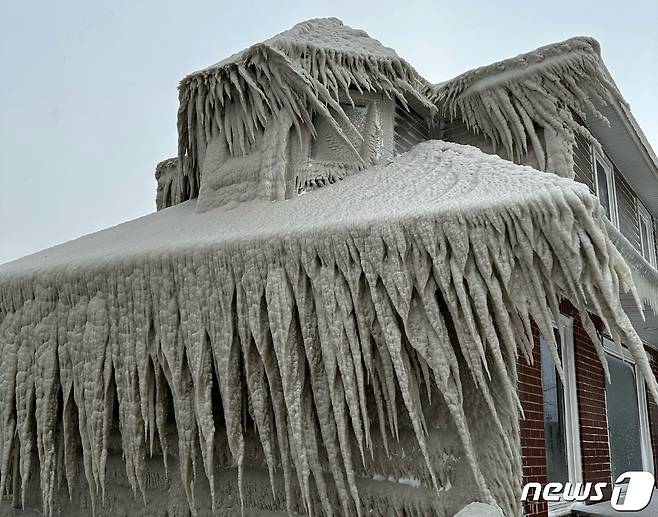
318	62
321	34
302	72
375	268
509	100
435	180
498	100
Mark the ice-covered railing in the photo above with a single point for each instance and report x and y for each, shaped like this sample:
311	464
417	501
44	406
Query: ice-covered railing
645	276
510	100
303	72
325	321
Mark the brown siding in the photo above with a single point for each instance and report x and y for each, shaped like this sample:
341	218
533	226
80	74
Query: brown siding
409	129
582	157
627	209
457	131
590	390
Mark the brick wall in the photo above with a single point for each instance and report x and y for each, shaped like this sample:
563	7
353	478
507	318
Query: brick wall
593	420
590	382
532	426
590	388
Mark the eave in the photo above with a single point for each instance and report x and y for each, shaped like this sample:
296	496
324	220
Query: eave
628	147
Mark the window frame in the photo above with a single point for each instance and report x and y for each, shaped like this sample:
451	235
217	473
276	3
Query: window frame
643	215
610	181
646	449
571	416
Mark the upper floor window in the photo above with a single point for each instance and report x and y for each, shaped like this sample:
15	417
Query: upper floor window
369	131
647	246
604	181
329	146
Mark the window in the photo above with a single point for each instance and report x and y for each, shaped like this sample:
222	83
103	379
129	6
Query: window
329	146
604	181
647	247
561	431
628	423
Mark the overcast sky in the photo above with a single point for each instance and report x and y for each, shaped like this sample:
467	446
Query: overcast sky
88	93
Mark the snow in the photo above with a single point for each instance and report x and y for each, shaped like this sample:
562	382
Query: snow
645	276
536	100
479	510
549	88
327	320
299	74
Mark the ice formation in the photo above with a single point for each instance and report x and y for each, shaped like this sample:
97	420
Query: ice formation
534	101
295	76
321	325
358	335
510	100
479	510
645	276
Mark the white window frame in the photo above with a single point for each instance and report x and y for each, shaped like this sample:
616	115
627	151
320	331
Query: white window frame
610	180
646	450
572	421
643	215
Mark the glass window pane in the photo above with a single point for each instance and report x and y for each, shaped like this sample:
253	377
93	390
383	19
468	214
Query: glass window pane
623	417
555	437
644	237
602	184
328	146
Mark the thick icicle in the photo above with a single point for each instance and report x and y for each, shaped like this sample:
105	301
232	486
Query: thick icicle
310	335
511	100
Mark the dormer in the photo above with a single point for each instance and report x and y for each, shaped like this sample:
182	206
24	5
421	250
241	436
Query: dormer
301	110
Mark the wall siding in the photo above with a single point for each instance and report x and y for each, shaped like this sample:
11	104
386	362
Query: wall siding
655	237
626	198
627	209
582	157
409	129
456	131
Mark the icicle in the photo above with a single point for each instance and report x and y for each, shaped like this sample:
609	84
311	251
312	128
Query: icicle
287	75
505	100
314	334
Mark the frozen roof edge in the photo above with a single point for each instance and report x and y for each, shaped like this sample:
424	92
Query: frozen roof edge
311	36
634	129
299	73
520	61
180	230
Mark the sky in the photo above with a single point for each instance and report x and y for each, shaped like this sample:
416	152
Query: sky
88	96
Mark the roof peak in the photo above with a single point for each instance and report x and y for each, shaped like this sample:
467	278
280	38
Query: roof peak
329	35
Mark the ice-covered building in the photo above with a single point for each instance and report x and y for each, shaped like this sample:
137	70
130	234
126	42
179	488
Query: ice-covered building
334	307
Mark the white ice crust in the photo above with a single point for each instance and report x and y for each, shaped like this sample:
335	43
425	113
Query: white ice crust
325	320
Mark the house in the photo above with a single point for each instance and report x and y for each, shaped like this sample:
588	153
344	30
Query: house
354	282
